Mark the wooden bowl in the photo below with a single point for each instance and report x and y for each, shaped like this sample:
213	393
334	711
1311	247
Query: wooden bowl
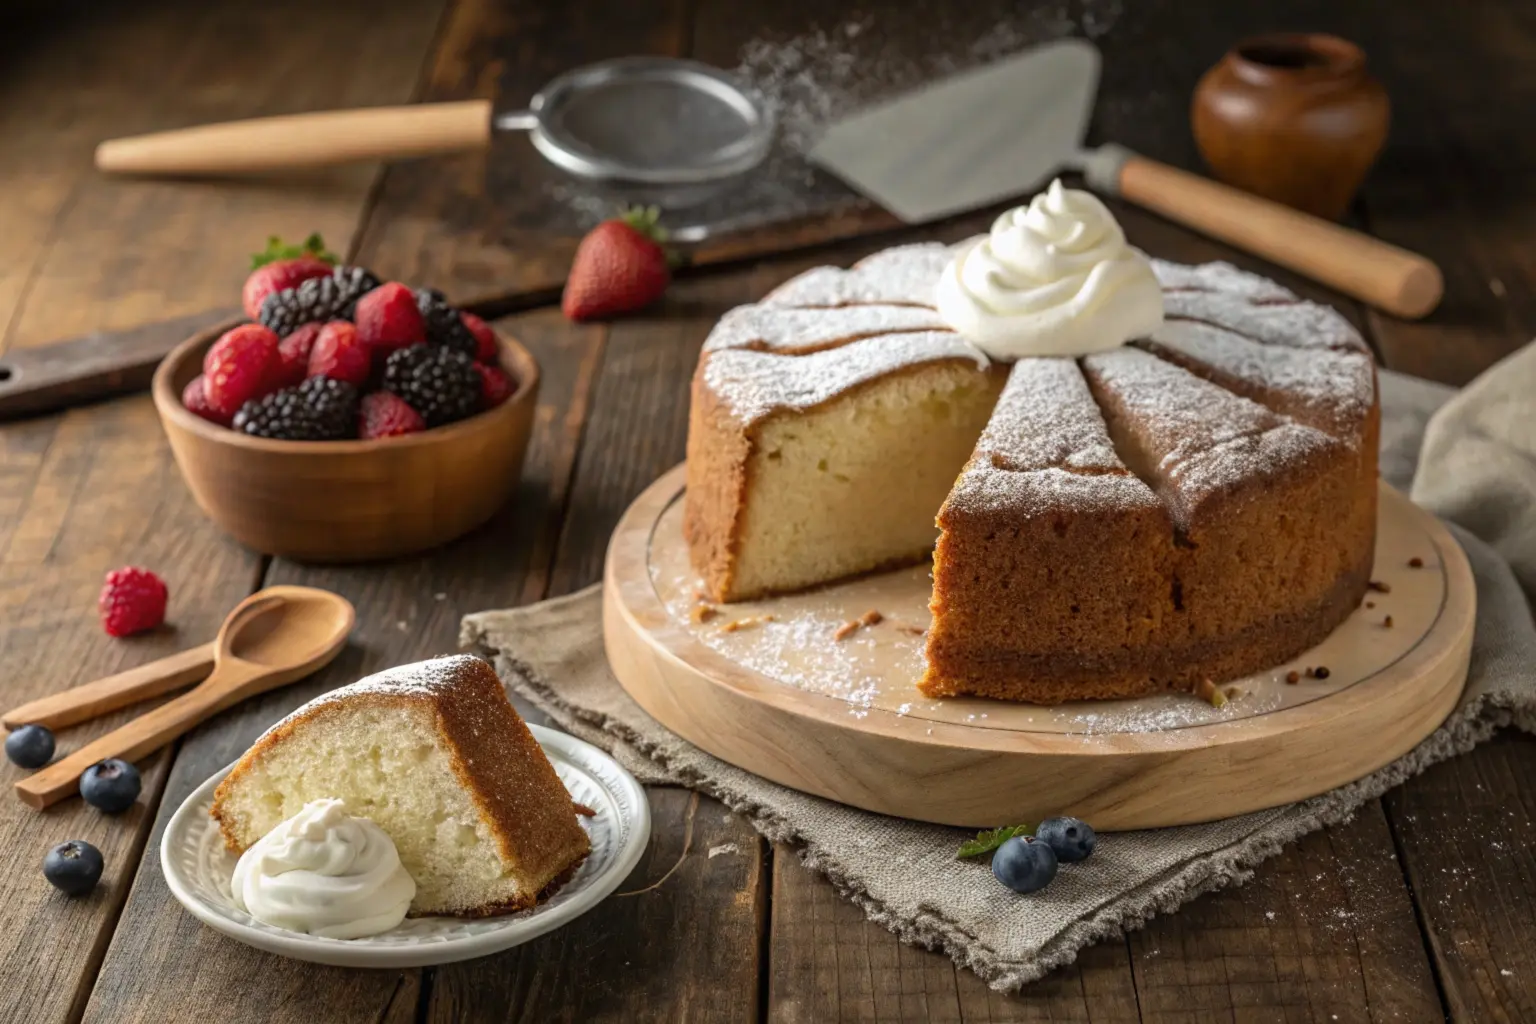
348	501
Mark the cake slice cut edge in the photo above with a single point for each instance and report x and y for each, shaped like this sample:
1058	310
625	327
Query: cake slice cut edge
437	757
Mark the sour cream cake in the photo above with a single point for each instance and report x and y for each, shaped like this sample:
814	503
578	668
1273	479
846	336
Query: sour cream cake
1144	474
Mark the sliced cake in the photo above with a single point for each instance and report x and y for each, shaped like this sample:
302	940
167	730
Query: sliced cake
436	756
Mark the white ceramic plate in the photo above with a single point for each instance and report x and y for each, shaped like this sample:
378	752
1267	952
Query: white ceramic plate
198	869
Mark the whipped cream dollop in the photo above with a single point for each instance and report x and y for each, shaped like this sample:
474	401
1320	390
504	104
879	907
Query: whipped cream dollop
323	872
1054	278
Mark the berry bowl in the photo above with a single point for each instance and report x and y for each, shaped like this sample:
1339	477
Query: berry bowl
348	501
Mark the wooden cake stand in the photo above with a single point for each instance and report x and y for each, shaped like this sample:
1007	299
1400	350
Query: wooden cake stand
784	688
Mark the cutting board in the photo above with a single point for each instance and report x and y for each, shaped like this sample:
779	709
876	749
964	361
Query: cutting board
841	718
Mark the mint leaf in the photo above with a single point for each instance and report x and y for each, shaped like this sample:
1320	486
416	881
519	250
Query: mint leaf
990	839
277	250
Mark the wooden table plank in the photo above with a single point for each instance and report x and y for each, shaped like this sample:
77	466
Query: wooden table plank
84	252
163	964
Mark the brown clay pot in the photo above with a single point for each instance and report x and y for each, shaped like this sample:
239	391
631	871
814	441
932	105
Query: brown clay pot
1294	118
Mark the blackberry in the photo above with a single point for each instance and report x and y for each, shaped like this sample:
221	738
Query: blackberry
319	298
443	324
320	409
440	383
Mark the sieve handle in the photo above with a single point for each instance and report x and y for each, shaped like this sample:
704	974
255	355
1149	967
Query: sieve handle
303	140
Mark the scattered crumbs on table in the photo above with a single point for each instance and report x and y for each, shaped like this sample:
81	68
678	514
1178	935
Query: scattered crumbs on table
1293	677
715	851
1497	287
1387	622
1505	972
1415	562
745	623
441	595
402	625
1269	915
703	612
912	630
1380	586
847	629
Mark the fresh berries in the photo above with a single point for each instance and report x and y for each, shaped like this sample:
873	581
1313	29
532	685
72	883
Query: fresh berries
293	353
495	385
385	415
442	322
243	364
110	786
132	600
74	867
1024	864
485	338
619	267
318	299
340	354
30	746
195	398
388	318
320	409
281	267
1071	839
440	383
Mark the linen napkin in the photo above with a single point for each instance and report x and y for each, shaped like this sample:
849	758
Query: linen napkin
1478	470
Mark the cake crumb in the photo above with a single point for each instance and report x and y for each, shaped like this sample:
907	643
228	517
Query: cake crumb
715	851
847	629
1293	677
703	612
1370	604
1207	691
583	810
1415	562
1379	586
751	620
1233	692
1387	622
1321	672
913	630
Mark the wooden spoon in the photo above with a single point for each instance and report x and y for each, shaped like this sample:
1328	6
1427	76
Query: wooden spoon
272	638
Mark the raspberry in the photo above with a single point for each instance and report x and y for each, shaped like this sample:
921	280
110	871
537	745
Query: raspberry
277	277
495	385
388	319
243	364
196	400
387	415
340	354
293	351
485	338
132	600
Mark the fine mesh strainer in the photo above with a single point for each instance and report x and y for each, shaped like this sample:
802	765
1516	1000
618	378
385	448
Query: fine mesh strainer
663	129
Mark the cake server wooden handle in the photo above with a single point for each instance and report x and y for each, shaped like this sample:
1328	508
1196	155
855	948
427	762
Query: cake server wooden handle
302	140
93	700
1392	279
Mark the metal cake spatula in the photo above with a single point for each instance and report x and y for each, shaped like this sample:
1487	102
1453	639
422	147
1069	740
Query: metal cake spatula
1004	130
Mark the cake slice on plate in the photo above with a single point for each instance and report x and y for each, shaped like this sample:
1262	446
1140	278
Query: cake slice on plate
436	756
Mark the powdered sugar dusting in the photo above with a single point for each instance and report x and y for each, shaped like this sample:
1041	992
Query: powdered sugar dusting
906	275
433	679
788	331
1219	276
754	384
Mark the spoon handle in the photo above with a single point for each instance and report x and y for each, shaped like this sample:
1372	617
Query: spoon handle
147	733
92	700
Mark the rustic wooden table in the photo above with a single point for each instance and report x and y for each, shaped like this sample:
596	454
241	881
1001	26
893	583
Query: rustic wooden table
1421	908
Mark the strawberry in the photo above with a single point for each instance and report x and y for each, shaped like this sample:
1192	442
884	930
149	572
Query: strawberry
384	414
619	267
387	318
196	400
495	385
132	600
293	353
340	354
283	266
243	364
485	338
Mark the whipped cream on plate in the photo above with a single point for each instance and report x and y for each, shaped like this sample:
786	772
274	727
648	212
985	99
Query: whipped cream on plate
1054	278
323	872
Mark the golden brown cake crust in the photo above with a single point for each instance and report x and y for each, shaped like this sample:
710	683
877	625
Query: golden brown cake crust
491	751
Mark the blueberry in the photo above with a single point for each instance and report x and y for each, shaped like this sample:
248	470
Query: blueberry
73	867
31	746
1024	864
111	786
1073	840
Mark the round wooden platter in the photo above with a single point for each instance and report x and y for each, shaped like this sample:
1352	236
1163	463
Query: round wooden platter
768	686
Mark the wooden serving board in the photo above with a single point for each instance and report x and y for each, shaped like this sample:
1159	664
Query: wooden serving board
841	718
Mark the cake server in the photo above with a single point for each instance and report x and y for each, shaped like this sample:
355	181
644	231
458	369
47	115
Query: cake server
1005	129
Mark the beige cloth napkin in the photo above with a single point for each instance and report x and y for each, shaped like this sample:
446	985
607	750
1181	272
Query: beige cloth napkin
1478	469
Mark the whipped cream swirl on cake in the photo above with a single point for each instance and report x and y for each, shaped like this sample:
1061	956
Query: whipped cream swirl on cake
1054	278
323	872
